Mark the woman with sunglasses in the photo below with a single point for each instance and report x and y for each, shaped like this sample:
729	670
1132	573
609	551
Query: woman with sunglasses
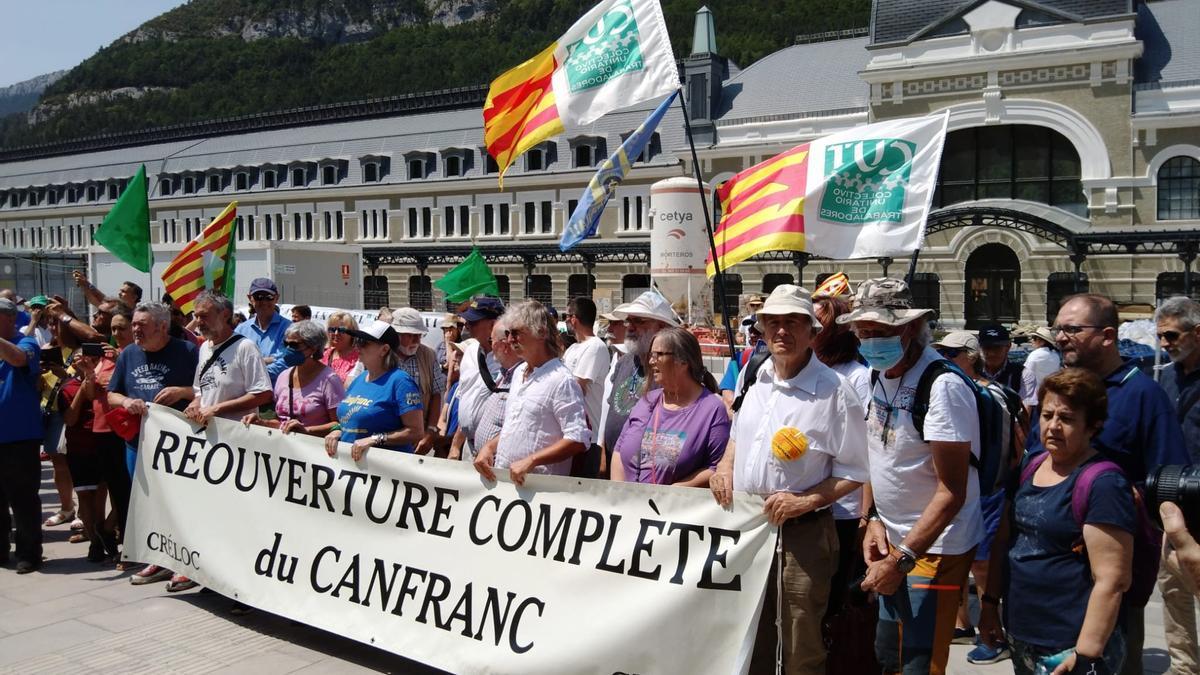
307	394
341	355
382	408
677	433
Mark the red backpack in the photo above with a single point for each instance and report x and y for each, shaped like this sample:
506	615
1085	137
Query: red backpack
1146	540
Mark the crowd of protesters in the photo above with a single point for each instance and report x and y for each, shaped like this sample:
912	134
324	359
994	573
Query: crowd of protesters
865	437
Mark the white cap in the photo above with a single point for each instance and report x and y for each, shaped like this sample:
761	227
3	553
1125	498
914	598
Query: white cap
408	320
789	299
959	339
648	305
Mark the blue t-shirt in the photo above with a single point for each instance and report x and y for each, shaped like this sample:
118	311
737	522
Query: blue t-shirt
730	378
19	398
1141	433
1049	583
23	319
375	407
269	341
1183	389
142	374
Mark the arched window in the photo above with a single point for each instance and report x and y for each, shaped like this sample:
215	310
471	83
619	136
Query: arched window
1016	161
771	281
541	288
580	285
375	291
1060	286
1179	189
633	285
502	285
420	293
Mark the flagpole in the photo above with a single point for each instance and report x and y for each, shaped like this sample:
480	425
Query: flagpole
912	267
712	241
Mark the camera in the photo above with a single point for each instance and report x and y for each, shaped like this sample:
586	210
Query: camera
1179	484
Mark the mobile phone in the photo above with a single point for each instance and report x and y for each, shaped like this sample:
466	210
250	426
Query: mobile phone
93	349
52	356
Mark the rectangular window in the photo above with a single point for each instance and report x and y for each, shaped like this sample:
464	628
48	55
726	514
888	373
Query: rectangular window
241	229
297	224
489	223
530	215
412	223
214	183
309	233
328	225
250	233
329	175
298	178
164	188
269	179
383	224
189	186
448	226
464	221
427	222
416	169
370	172
112	191
242	182
503	219
547	218
453	165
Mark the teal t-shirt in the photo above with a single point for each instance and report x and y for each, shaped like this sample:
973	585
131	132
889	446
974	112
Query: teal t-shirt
375	407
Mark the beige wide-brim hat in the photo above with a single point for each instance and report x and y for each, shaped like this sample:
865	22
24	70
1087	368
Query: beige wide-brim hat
1044	333
408	321
789	299
886	301
648	305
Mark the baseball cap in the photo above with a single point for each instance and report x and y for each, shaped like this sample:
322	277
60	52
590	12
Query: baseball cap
7	306
482	307
993	334
263	284
378	331
38	300
959	339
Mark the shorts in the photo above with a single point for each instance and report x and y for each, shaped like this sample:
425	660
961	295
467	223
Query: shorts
992	508
52	434
85	470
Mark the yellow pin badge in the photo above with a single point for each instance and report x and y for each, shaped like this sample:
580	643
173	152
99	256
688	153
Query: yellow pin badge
789	444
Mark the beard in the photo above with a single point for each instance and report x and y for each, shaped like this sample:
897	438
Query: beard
639	346
409	351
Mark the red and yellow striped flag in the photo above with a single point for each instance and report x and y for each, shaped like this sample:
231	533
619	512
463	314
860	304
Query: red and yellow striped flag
184	278
762	209
521	111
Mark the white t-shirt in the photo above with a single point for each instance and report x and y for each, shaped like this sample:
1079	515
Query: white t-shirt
1040	364
818	403
472	390
859	377
589	360
540	411
902	473
236	371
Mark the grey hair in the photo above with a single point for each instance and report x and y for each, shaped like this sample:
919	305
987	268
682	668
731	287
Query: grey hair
924	334
310	333
532	315
217	300
160	313
1183	309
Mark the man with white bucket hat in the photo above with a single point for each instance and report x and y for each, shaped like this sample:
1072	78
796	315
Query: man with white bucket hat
925	523
800	441
644	317
421	364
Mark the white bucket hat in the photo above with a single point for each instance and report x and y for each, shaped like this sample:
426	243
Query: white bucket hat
408	321
789	299
648	305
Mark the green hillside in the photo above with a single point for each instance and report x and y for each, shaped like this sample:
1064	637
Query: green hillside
196	62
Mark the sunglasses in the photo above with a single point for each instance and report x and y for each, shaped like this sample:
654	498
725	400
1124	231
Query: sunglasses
292	344
262	297
336	330
950	352
1170	335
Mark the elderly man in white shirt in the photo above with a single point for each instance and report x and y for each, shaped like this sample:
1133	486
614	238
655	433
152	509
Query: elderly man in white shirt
545	418
800	439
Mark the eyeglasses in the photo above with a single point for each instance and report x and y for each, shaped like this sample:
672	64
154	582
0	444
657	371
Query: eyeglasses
1071	330
654	356
293	344
513	334
262	297
949	352
1169	335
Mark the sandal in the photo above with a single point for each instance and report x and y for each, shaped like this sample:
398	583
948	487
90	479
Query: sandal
59	518
77	538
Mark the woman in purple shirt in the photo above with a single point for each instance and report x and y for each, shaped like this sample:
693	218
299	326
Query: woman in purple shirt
308	393
676	434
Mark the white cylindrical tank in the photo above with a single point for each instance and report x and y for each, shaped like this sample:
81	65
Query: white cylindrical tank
679	246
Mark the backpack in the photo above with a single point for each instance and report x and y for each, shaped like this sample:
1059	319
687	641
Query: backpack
752	367
1146	544
999	410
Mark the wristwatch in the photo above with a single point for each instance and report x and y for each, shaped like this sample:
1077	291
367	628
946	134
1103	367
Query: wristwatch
380	439
907	561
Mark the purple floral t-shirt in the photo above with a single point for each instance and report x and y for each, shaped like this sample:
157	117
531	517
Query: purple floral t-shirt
311	402
682	443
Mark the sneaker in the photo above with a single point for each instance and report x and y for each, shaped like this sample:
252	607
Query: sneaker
964	636
150	574
180	583
26	566
983	655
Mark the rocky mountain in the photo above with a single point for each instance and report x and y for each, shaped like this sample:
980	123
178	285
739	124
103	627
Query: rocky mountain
22	96
220	58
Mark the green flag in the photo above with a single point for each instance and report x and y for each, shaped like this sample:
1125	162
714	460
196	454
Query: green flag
230	264
126	229
471	277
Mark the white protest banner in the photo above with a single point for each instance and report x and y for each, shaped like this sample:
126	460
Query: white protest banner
424	558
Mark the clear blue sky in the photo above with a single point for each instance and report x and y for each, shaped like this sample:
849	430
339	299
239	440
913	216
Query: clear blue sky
42	36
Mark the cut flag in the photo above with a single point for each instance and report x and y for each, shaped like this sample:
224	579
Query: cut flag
206	263
125	231
469	278
617	55
586	219
860	193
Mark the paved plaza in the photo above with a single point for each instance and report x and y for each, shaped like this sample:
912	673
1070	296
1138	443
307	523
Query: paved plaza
78	617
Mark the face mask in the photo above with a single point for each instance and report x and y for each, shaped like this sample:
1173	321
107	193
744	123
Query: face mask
292	357
882	353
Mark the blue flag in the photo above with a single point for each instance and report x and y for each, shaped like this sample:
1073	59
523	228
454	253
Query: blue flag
586	218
